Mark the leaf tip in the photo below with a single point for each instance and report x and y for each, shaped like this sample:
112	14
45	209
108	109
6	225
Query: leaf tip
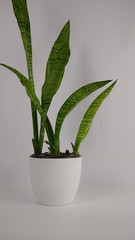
67	25
115	82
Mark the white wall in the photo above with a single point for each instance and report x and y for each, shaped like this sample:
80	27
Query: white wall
103	47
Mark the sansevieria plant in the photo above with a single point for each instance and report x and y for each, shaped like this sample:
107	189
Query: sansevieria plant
55	68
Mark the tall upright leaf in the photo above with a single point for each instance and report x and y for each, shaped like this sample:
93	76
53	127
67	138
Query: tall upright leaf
56	63
22	16
55	68
70	104
88	118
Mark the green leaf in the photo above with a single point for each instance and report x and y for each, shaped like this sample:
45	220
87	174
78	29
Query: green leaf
31	93
88	118
57	61
22	17
46	124
28	86
50	130
71	102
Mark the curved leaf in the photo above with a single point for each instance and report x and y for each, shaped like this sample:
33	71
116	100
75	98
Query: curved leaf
31	93
71	102
28	86
57	61
88	118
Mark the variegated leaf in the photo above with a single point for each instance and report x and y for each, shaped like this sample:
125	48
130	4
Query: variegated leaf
89	116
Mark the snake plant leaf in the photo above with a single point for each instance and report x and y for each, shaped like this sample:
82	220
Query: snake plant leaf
88	118
34	99
22	17
55	68
28	86
70	104
50	130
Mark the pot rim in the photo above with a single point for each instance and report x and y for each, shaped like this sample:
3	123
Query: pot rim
55	158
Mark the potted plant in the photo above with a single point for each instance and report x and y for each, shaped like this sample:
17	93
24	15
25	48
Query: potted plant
55	175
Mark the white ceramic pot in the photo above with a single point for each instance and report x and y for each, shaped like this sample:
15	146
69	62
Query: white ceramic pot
55	181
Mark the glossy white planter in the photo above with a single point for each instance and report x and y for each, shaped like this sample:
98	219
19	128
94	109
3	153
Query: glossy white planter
55	181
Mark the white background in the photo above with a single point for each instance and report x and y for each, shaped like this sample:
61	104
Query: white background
102	47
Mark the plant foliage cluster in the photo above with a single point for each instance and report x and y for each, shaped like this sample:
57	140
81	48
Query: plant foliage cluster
55	68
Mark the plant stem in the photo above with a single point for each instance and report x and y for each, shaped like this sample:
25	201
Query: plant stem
45	124
42	133
34	117
56	145
35	122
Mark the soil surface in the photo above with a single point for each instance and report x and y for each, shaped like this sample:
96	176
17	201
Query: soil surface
66	154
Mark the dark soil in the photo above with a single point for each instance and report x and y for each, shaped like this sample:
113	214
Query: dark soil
66	154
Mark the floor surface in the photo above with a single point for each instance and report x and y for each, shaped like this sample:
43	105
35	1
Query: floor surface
99	213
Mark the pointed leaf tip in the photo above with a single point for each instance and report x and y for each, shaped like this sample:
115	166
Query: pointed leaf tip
68	22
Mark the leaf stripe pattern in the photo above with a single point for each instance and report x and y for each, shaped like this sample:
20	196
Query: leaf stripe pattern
22	17
56	63
21	13
88	118
70	104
